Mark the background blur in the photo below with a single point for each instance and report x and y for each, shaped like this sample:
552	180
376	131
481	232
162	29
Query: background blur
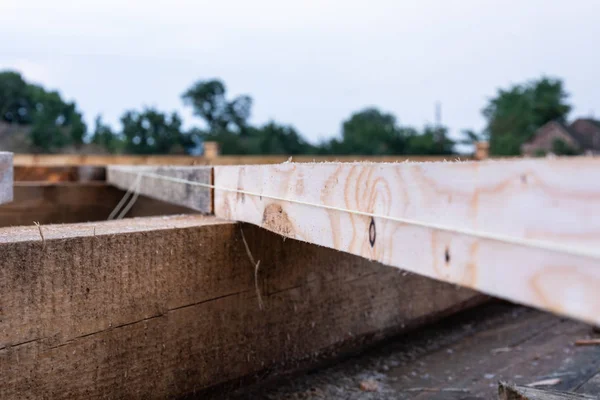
303	77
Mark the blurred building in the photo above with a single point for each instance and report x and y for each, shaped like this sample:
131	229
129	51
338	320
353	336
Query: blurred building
580	137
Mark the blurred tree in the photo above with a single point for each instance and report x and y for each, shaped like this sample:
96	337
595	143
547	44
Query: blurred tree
207	98
432	141
152	132
15	103
280	139
54	123
371	132
271	138
470	137
104	136
515	114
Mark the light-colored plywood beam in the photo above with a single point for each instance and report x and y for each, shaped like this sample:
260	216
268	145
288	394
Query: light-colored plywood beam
523	230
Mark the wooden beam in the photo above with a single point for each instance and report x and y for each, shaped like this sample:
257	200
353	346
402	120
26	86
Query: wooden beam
59	174
6	177
68	202
145	180
63	160
163	307
523	230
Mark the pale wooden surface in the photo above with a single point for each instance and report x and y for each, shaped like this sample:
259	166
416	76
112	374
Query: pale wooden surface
164	307
6	177
547	208
142	180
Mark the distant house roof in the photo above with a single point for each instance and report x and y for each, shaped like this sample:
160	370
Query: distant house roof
583	135
587	133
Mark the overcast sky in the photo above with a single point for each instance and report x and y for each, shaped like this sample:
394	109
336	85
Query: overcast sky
309	63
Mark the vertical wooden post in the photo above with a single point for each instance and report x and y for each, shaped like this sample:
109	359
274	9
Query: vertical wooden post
211	150
482	150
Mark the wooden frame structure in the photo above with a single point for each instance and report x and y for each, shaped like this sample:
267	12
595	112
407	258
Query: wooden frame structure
168	306
524	230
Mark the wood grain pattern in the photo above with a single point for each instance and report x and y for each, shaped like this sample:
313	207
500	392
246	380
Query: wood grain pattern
523	230
155	308
194	197
6	177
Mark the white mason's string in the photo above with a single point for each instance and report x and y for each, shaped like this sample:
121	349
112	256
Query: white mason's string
135	186
524	242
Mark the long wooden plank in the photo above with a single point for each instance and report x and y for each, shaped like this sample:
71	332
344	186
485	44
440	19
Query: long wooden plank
523	230
146	180
163	307
59	174
63	160
6	177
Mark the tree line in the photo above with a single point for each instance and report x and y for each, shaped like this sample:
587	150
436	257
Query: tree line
512	117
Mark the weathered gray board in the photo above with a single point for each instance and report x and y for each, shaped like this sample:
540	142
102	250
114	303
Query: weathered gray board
146	180
6	177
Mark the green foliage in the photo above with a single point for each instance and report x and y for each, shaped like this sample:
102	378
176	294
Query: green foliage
15	103
562	148
515	114
208	101
470	137
54	123
152	132
104	136
432	141
372	132
271	138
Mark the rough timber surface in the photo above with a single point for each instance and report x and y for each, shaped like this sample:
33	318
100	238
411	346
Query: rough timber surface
6	177
164	307
137	178
525	230
67	202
